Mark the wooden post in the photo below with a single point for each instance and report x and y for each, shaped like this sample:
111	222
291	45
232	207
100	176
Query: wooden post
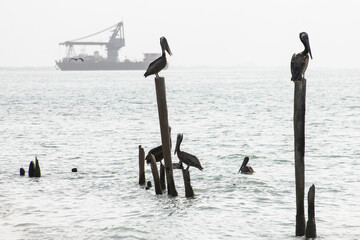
165	136
189	192
162	176
141	166
155	174
311	225
299	137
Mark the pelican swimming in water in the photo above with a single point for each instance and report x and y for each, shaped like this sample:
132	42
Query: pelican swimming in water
244	168
159	64
185	157
299	62
157	152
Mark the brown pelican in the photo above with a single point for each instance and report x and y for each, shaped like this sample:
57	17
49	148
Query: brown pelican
244	168
157	152
185	157
159	64
76	59
299	62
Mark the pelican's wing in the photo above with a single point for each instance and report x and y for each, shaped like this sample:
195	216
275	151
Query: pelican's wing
193	160
297	67
292	64
305	65
152	67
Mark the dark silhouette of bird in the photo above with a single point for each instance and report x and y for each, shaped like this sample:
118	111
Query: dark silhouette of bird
159	64
157	152
76	59
300	61
246	169
184	157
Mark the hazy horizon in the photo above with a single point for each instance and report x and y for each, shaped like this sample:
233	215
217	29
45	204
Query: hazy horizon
201	33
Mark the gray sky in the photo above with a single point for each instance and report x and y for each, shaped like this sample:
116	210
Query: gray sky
199	32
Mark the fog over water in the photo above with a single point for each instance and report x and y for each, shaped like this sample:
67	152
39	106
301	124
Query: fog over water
228	91
215	33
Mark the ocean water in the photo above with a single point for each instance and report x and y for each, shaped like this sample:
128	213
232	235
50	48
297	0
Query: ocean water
95	121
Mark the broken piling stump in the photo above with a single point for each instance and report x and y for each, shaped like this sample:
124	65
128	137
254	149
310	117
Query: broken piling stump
311	225
34	168
155	174
165	136
162	176
31	171
141	166
299	145
189	192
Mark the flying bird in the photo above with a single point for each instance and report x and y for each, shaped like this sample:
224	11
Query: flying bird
299	62
159	64
76	59
246	169
184	157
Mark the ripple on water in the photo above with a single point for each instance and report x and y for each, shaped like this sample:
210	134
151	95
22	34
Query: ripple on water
75	120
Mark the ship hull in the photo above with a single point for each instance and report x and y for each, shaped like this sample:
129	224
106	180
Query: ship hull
100	66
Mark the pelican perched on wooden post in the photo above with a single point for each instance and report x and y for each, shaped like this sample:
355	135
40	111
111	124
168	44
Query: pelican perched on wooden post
299	62
244	168
159	64
185	157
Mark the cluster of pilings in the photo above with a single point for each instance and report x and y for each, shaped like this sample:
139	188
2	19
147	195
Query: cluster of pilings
34	169
167	170
299	144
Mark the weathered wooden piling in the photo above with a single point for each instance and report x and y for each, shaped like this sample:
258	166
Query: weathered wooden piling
22	172
162	176
31	171
37	168
165	136
299	144
189	192
155	174
141	166
311	225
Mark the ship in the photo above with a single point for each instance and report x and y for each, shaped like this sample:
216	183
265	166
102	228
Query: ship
96	62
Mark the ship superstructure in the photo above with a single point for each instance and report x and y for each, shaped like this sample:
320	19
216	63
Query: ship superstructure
98	62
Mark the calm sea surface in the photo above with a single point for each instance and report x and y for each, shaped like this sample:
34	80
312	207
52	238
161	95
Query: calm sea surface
95	121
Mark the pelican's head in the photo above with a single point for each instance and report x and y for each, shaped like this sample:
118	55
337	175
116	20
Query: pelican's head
178	141
165	46
245	162
304	37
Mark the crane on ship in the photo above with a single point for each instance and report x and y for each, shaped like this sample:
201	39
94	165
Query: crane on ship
116	41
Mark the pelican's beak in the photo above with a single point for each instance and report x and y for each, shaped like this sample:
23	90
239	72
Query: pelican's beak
310	52
307	43
176	147
167	48
178	141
